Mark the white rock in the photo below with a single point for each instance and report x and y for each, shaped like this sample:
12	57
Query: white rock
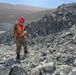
7	55
53	15
2	32
36	70
47	52
64	18
49	66
58	54
75	62
62	70
4	71
74	38
9	61
61	73
43	62
66	69
50	58
4	58
73	72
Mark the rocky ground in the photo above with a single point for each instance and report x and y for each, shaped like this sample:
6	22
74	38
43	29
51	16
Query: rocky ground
51	47
49	55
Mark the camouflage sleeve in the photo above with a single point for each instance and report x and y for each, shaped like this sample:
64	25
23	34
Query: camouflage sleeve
15	29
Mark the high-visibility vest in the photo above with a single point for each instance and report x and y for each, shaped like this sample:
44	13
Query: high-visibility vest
20	29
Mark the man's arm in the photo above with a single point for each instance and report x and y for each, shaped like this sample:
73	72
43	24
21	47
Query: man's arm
15	29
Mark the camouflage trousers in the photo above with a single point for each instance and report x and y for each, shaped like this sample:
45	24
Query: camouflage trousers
19	43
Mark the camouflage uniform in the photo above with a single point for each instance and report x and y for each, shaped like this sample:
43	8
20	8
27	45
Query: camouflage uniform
20	42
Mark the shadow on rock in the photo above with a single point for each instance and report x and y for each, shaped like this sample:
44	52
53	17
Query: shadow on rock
18	71
11	62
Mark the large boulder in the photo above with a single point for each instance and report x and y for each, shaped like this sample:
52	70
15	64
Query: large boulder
17	71
4	70
73	72
47	67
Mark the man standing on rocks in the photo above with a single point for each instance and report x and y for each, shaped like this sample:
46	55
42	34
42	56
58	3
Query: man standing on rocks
19	32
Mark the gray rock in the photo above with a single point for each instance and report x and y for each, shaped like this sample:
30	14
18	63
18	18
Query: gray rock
36	70
74	39
9	62
66	69
4	70
54	15
50	58
75	62
73	72
48	67
18	71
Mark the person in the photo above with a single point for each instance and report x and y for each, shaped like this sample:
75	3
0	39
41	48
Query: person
19	34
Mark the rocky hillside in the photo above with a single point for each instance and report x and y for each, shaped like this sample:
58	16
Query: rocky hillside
51	47
48	55
63	18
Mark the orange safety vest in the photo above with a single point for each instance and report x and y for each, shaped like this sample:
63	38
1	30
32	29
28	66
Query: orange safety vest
20	29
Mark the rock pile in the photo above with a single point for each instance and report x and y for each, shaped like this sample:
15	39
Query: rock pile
63	18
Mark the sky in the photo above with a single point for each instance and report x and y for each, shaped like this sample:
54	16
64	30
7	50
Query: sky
39	3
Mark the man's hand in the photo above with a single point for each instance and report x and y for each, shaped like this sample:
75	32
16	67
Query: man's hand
25	33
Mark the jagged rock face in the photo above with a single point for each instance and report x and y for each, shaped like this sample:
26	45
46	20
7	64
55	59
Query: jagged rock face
63	18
